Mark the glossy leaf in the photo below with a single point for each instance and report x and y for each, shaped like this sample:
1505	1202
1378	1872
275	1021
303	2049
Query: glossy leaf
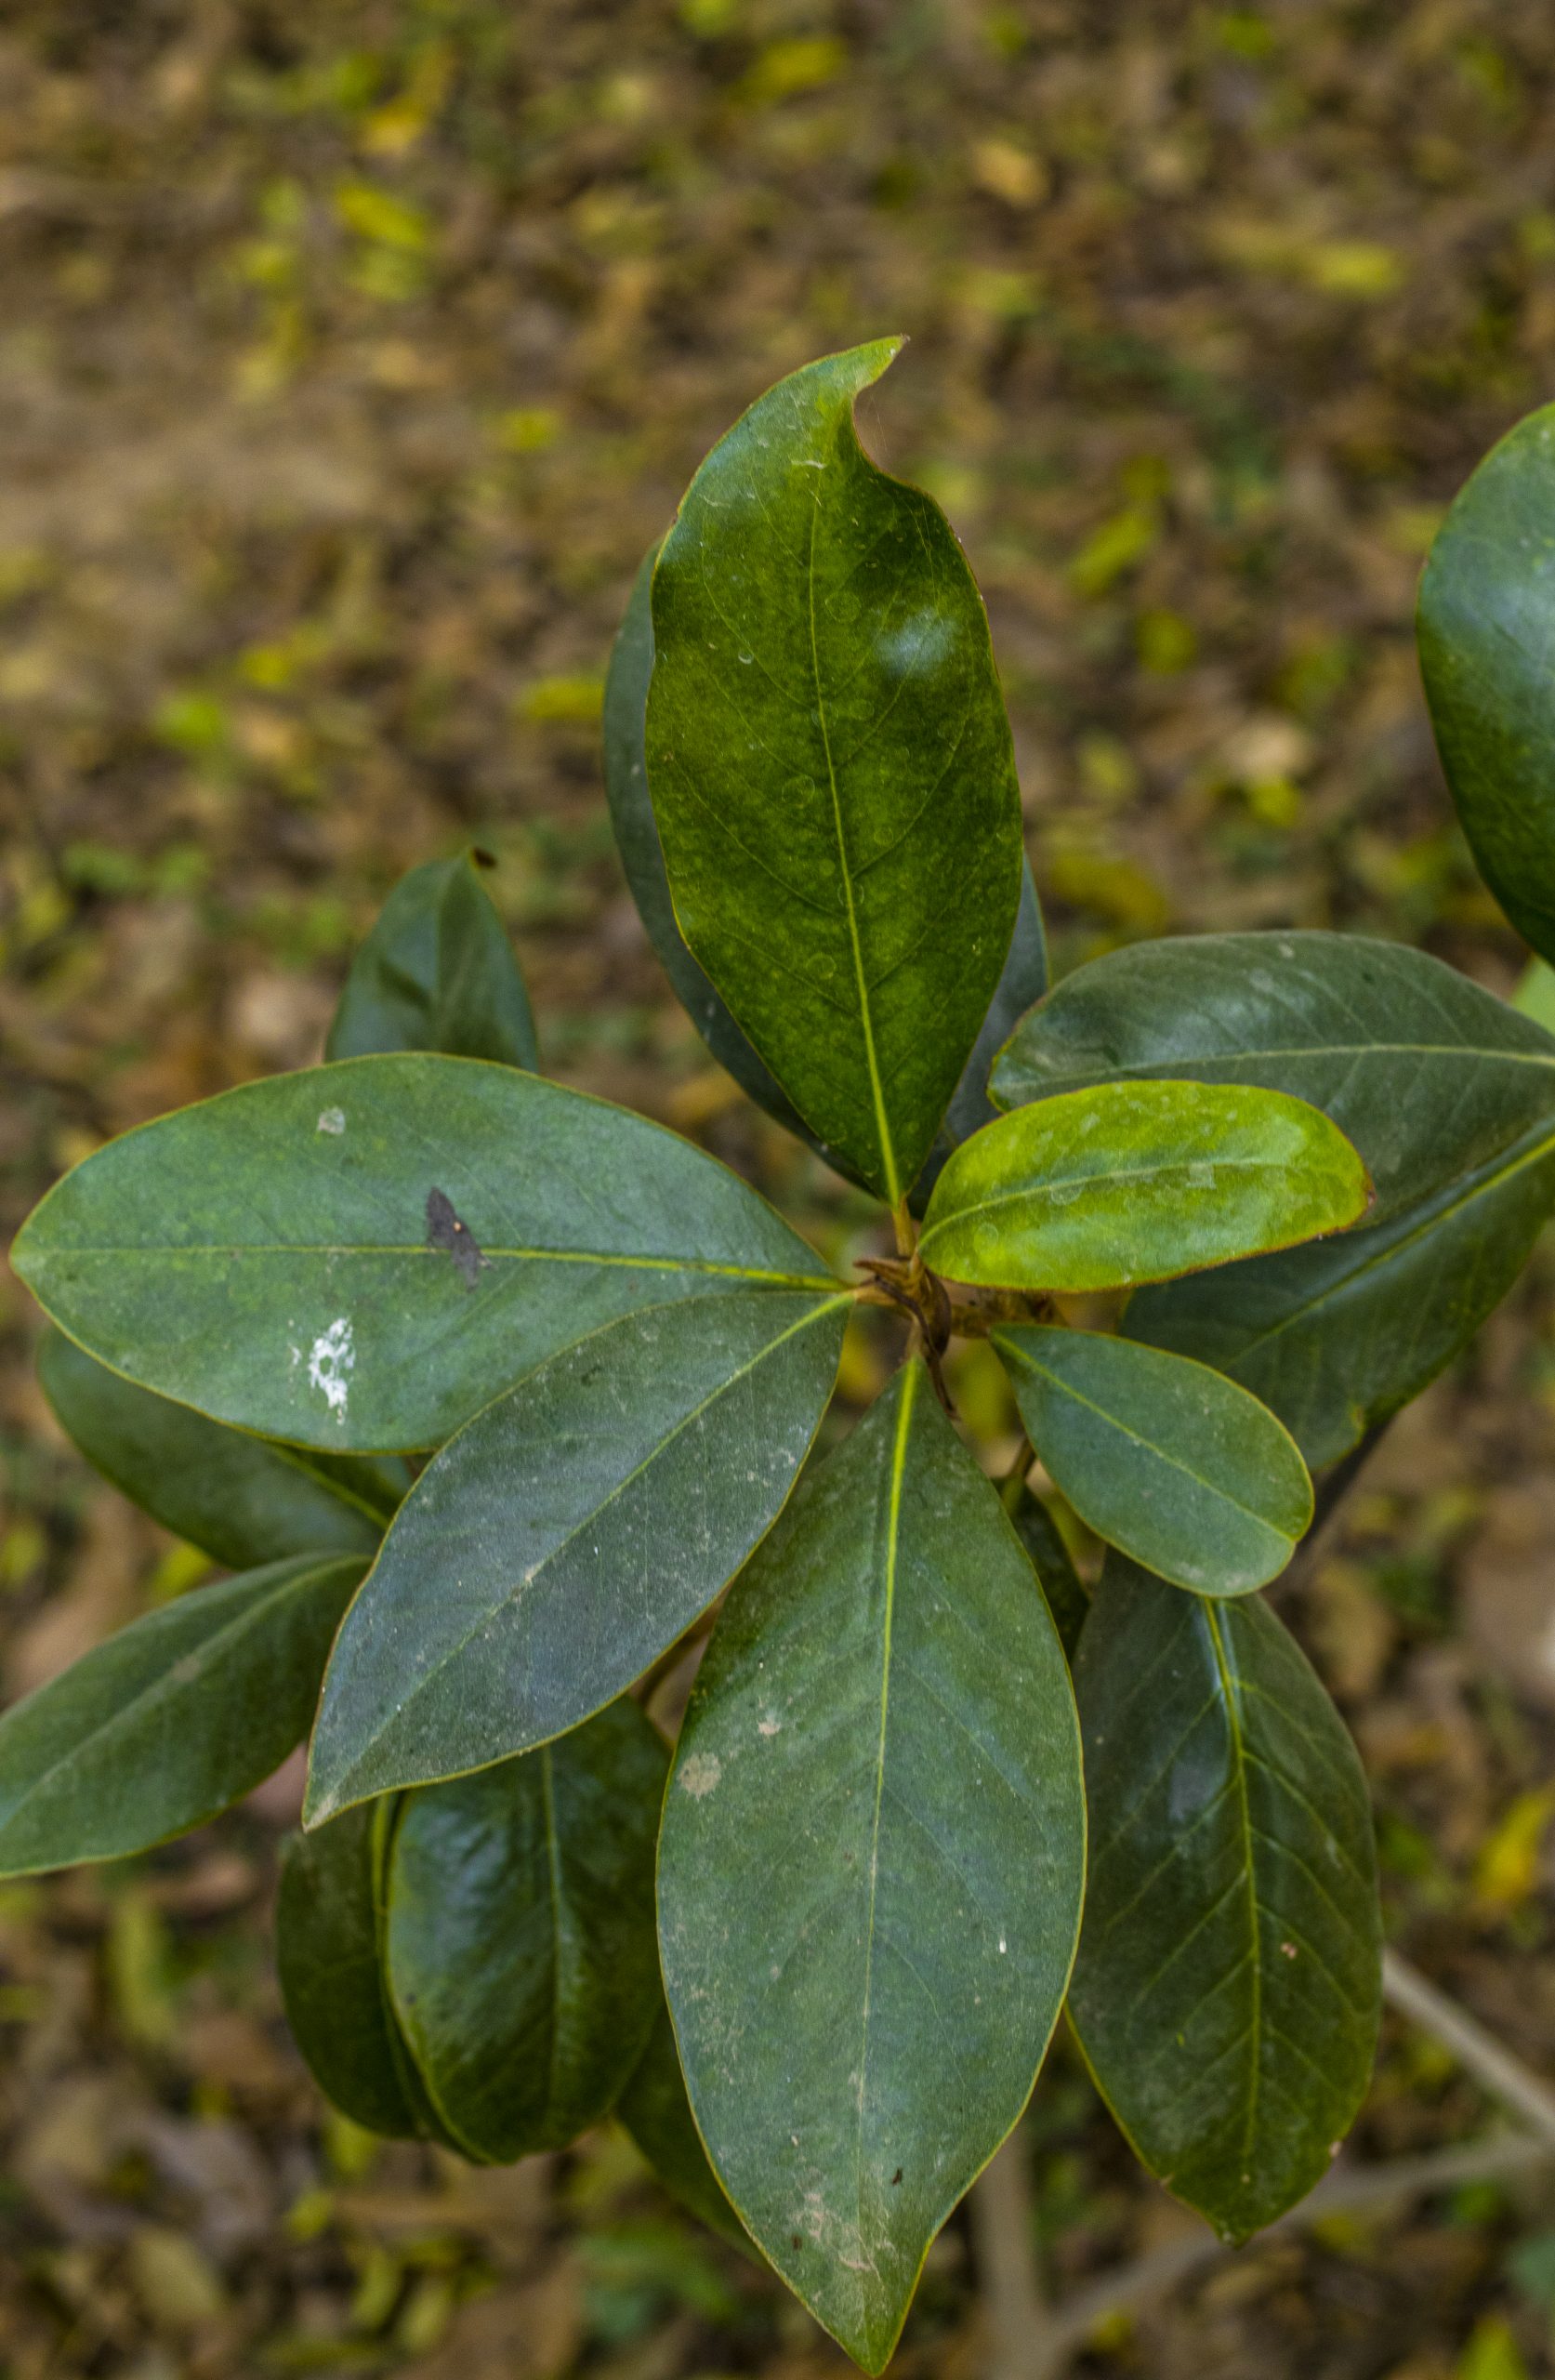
1228	1986
1336	1337
1428	1073
569	1534
268	1255
437	971
625	729
241	1499
831	769
871	1864
1166	1459
329	1921
1068	1596
175	1718
1137	1182
1486	624
655	2111
522	1953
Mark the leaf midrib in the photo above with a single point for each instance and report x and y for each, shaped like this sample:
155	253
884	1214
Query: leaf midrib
159	1254
876	1089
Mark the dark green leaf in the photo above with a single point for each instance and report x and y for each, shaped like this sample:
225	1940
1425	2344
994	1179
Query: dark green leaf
1166	1459
831	769
1228	1981
569	1534
1136	1182
329	1921
1431	1076
437	972
1486	624
1068	1596
625	728
243	1499
871	1864
1335	1338
269	1255
656	2112
175	1718
522	1953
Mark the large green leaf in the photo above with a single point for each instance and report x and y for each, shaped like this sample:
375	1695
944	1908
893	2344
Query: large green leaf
1486	630
1136	1182
831	769
329	1923
1431	1076
437	971
522	1954
362	1255
175	1718
244	1500
1228	1987
1166	1459
1335	1338
657	2114
871	1864
626	732
569	1534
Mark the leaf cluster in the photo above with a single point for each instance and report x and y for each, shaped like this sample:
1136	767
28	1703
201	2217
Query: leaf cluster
496	1399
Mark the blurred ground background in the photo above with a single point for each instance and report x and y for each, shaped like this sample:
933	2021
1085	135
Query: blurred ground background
349	356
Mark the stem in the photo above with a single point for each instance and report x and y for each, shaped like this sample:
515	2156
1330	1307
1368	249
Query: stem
1017	2320
1497	2069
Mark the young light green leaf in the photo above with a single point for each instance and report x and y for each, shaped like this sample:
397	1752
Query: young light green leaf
625	731
657	2114
1068	1596
522	1954
1166	1459
329	1921
871	1864
362	1255
172	1720
437	971
1228	1988
569	1534
1138	1181
831	769
1336	1337
1430	1075
1486	624
241	1499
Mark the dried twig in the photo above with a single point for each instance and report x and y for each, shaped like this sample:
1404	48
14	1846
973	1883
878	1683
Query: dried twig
1503	2073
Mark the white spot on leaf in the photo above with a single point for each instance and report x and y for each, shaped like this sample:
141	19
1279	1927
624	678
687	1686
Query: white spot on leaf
700	1774
331	1358
333	1120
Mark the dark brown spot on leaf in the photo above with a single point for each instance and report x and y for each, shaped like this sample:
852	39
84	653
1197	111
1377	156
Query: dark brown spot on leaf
445	1231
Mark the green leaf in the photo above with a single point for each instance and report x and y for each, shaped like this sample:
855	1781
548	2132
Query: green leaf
175	1718
637	834
1447	1092
1228	1982
657	2114
1427	1073
329	1923
437	971
1335	1338
831	769
1068	1596
1135	1182
243	1499
522	1953
569	1534
1486	621
871	1864
269	1255
1166	1459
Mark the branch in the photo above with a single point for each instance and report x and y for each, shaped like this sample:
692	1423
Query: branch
1018	2324
1497	2069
